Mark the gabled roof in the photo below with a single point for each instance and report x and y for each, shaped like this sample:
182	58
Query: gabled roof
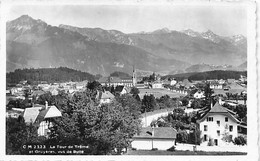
159	132
218	109
38	114
38	93
50	112
107	95
119	88
30	114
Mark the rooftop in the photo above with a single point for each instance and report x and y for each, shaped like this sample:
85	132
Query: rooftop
159	132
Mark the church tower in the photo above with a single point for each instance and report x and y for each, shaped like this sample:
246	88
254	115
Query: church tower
134	77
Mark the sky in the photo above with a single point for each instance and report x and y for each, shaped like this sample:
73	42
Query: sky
224	20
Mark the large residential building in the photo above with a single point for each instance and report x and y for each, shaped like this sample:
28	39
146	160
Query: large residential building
218	123
41	116
116	81
149	138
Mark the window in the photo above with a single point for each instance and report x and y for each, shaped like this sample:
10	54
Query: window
205	137
205	128
230	128
218	132
209	119
218	122
226	119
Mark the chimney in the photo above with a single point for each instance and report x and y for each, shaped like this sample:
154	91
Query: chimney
152	131
46	105
211	104
220	101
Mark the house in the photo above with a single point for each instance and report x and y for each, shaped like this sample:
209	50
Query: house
199	94
157	84
231	80
141	86
186	84
122	90
149	138
41	116
215	85
217	123
81	85
170	82
116	81
105	97
54	91
37	93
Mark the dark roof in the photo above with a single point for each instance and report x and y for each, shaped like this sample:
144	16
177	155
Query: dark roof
159	132
38	93
119	88
218	109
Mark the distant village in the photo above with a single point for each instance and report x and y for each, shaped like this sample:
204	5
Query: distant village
221	126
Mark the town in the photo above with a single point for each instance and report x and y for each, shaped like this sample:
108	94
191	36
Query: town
123	114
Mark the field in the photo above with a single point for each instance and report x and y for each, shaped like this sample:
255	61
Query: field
163	152
159	92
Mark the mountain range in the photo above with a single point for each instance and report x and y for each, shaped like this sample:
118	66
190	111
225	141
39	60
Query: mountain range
34	43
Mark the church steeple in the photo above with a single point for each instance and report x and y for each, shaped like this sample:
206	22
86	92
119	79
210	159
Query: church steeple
134	76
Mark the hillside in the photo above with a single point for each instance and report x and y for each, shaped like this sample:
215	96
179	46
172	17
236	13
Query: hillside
51	75
35	44
216	74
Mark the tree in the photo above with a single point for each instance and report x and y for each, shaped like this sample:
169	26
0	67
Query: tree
148	103
133	105
134	91
208	93
241	111
102	128
185	101
194	136
197	104
18	133
226	136
94	86
182	136
240	140
45	97
61	101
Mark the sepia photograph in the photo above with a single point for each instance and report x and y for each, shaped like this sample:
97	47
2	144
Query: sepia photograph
128	79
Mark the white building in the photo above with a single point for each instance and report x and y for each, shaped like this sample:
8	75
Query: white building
215	85
199	94
41	116
105	97
149	138
217	123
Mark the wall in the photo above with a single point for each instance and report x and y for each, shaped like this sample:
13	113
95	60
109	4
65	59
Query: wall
146	121
148	144
213	127
43	128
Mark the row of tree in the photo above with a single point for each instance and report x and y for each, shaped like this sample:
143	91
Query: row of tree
216	74
103	128
51	75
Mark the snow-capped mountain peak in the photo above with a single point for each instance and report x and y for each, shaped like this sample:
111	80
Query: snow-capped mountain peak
211	36
191	33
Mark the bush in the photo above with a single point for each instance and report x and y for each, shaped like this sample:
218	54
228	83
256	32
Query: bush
133	148
240	140
210	143
171	148
182	136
